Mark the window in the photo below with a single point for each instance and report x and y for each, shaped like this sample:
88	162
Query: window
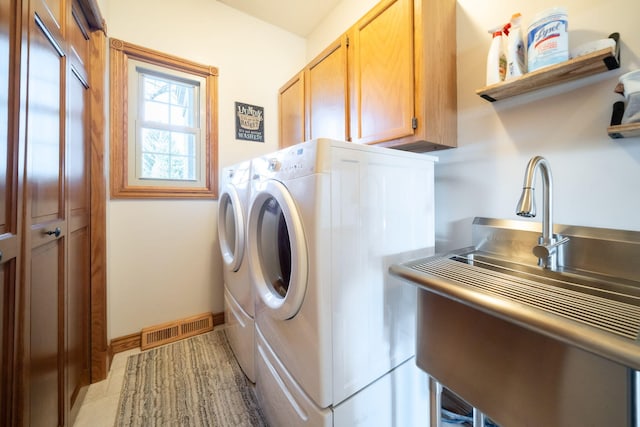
163	126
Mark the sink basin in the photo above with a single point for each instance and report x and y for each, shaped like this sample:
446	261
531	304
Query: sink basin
527	345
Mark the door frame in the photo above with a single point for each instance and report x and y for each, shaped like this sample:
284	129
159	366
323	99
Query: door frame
100	359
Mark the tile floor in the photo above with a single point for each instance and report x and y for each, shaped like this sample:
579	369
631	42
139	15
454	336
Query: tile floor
101	401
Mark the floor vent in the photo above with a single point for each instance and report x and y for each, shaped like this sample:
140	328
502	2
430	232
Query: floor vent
155	336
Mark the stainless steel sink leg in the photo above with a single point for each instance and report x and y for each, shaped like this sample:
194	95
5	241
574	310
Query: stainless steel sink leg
478	418
635	395
436	403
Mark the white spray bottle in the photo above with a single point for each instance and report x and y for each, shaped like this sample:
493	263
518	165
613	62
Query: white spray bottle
496	60
516	62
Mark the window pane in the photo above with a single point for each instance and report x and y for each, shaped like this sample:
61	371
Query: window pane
155	89
155	112
155	166
167	155
182	105
182	168
169	101
181	117
182	143
155	141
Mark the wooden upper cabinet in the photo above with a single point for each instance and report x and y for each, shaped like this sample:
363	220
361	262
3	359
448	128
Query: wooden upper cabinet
326	93
292	111
434	23
382	80
401	78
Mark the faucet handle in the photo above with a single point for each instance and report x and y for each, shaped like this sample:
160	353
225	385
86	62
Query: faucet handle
544	251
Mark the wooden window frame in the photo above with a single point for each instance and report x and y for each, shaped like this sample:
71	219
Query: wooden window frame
120	53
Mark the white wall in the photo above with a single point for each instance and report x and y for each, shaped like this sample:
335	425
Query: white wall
163	256
595	178
346	13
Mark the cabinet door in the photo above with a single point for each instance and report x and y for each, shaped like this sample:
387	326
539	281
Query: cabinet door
327	97
382	79
292	114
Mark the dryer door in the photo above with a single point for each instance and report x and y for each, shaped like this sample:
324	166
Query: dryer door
277	250
231	227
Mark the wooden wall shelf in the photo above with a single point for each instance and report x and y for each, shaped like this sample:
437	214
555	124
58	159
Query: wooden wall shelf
624	131
582	66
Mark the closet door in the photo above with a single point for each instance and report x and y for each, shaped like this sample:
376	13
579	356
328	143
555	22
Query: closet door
45	217
77	347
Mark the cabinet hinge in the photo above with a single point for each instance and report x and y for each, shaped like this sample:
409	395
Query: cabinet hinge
414	123
347	42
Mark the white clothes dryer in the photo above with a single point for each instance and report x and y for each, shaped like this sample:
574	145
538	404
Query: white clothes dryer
326	220
239	300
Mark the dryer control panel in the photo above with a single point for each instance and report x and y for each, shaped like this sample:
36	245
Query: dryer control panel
289	163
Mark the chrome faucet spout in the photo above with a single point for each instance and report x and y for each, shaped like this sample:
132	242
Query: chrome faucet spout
547	249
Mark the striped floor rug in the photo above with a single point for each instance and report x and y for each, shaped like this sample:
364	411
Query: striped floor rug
195	382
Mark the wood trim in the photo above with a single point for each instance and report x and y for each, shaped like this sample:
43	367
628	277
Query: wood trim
127	342
161	58
12	359
91	11
98	309
131	341
120	52
218	319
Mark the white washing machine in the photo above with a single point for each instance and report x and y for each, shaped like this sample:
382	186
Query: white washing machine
239	301
333	328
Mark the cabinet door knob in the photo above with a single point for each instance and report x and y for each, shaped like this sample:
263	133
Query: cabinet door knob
55	232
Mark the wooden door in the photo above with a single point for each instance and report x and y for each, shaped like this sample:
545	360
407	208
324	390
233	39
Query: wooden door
327	96
77	343
10	186
45	217
292	114
382	80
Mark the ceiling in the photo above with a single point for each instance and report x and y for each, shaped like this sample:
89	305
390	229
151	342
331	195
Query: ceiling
296	16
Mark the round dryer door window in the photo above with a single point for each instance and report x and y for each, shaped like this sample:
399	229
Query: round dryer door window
277	250
231	228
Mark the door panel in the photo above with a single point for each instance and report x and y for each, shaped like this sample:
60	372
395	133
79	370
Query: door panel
51	13
7	315
292	114
77	322
383	80
45	214
46	362
327	94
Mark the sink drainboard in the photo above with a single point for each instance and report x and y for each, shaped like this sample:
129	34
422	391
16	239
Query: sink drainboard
612	316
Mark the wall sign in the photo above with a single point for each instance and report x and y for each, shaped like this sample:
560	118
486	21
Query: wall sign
249	122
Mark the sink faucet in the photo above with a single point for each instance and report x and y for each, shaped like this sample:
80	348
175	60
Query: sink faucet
549	244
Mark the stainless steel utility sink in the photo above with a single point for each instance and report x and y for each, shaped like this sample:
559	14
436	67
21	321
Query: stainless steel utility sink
530	346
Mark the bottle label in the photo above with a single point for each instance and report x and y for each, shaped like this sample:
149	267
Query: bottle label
547	42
